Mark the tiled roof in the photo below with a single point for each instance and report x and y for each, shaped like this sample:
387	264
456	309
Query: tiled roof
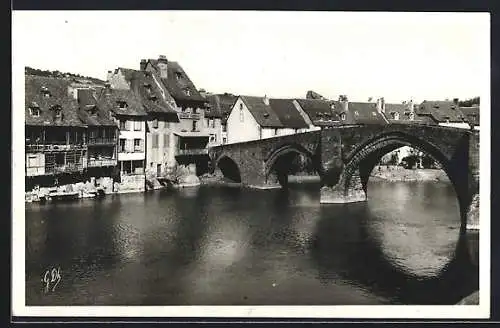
361	113
403	110
110	99
149	93
90	113
287	113
58	90
471	114
319	111
220	105
262	113
178	82
441	111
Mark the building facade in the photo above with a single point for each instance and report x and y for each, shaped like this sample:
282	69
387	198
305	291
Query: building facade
254	118
56	143
444	113
130	117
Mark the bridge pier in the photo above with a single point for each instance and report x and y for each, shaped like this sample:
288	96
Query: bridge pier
270	182
343	192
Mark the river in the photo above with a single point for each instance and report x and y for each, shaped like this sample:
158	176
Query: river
217	245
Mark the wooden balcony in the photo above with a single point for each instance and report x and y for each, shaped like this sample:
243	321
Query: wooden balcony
195	151
101	162
35	148
192	116
102	141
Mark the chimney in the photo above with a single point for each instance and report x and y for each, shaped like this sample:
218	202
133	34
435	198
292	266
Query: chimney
381	105
344	103
265	100
411	106
143	64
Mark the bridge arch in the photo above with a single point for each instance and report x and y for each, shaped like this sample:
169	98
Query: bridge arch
228	167
352	180
278	162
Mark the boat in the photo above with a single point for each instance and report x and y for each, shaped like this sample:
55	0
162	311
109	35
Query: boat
64	196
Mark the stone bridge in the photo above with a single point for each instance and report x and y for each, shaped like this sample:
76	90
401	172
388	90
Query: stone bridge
344	157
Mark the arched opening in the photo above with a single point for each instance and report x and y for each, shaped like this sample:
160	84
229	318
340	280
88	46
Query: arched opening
292	165
229	169
416	202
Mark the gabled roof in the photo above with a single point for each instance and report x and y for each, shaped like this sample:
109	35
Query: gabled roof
220	105
471	114
177	82
90	113
318	110
361	113
287	113
262	113
59	98
441	111
109	100
153	97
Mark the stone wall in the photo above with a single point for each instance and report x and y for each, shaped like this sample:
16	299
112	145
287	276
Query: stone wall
131	183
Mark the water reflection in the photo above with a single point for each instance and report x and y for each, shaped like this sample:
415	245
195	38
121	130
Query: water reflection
223	246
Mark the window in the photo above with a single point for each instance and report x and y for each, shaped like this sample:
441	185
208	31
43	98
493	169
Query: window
412	116
224	140
154	143
275	132
33	161
211	123
242	118
194	126
187	92
155	123
123	125
122	146
356	113
122	104
259	128
166	140
213	138
137	145
342	116
35	111
207	124
137	125
178	75
395	115
224	127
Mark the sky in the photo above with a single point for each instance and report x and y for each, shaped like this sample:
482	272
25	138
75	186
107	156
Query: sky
398	56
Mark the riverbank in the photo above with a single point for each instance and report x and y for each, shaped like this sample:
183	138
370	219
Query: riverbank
398	173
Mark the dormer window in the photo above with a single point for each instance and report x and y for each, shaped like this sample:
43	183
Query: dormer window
122	104
57	111
35	111
178	76
332	106
342	116
187	92
395	115
412	116
45	92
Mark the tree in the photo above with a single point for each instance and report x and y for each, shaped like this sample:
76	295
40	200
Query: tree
469	102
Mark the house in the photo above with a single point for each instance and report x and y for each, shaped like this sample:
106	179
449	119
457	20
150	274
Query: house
56	148
358	112
471	115
318	112
102	133
400	113
191	136
216	115
162	117
254	118
129	115
444	113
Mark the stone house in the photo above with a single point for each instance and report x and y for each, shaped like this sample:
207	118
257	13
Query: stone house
254	118
444	113
191	137
358	112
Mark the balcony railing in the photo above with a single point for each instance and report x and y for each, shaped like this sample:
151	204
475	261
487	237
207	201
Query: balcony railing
54	147
102	141
193	116
68	168
195	151
102	162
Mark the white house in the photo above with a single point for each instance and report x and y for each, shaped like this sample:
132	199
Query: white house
254	118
